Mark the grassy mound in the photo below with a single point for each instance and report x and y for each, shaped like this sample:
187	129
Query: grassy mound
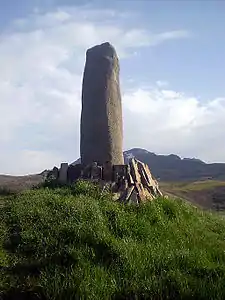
74	243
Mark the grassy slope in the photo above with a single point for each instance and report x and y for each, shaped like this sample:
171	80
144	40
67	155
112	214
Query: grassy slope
19	183
208	193
196	185
69	244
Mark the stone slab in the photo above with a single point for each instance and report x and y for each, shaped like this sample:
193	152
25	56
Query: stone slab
63	173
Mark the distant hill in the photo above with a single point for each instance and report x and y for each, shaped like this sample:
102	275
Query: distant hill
19	183
190	179
173	168
208	194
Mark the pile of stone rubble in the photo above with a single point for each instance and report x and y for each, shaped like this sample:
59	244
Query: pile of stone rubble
137	185
131	183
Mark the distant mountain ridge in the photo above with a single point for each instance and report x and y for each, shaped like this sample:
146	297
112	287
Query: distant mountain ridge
173	168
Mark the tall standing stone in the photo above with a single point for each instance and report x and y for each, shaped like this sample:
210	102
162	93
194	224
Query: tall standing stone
101	117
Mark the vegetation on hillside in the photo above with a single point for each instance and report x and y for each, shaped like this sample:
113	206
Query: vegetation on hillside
209	194
194	186
76	243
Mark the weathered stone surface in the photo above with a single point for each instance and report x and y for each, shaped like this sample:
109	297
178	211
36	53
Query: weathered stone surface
119	171
101	116
129	192
134	171
123	185
158	190
63	173
140	192
96	171
86	174
55	172
133	199
145	186
131	183
144	178
149	175
107	171
130	178
52	174
102	135
148	196
74	172
114	187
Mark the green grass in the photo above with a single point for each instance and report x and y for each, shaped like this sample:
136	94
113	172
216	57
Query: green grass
194	186
74	243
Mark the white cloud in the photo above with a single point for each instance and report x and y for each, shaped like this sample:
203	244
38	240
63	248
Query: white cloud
41	65
176	34
38	161
170	122
161	83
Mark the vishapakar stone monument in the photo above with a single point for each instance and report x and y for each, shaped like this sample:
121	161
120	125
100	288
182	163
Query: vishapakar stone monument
101	135
101	128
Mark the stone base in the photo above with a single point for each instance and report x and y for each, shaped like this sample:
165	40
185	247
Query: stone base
132	183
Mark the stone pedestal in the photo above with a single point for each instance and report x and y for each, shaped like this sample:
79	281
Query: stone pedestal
131	183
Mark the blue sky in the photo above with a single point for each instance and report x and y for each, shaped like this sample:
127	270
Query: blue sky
201	62
172	76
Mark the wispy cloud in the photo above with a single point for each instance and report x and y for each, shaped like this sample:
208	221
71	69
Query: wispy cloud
161	83
176	34
41	65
